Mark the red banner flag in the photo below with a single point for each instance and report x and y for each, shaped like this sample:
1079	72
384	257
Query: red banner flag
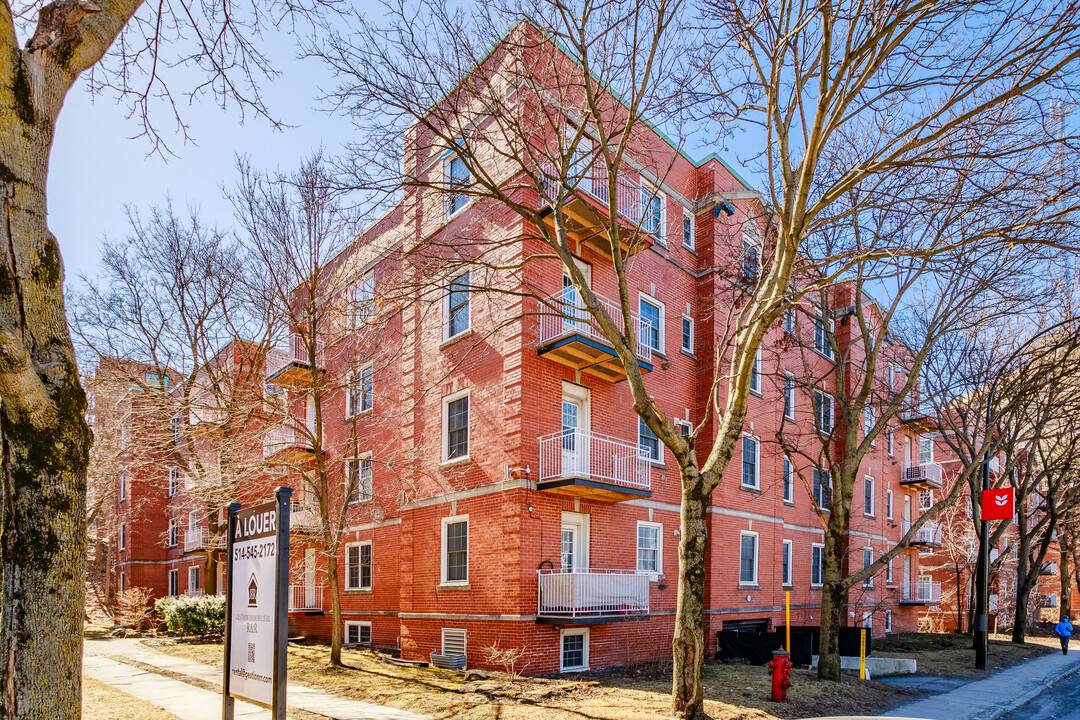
998	504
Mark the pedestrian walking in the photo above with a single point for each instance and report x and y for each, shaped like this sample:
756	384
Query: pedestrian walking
1064	631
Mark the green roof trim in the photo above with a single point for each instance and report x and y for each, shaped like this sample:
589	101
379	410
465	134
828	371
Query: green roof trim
727	166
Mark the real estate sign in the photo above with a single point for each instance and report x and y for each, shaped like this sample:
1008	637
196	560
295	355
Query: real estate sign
257	604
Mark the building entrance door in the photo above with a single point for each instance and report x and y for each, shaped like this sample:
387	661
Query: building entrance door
574	553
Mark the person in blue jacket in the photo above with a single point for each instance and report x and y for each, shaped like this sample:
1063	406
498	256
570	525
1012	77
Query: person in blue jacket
1064	631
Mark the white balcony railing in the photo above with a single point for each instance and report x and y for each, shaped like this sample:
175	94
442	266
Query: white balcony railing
305	597
195	539
195	592
565	314
592	456
911	472
630	198
592	593
303	517
283	437
921	591
928	534
297	354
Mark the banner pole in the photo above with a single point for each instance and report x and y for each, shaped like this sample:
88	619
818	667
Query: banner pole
227	708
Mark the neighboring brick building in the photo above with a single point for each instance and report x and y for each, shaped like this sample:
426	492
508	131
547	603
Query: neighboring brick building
545	514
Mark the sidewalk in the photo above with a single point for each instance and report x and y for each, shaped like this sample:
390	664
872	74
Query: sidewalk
103	660
992	697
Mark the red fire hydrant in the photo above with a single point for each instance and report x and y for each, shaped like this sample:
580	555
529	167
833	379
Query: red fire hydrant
780	669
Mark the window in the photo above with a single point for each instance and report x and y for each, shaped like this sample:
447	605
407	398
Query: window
685	427
123	436
123	535
123	486
174	533
648	442
888	503
892	373
652	216
751	260
822	489
868	496
360	478
358	566
789	481
868	422
688	334
867	561
458	178
789	396
455	555
889	444
161	379
456	426
755	373
360	397
649	551
750	463
817	565
789	321
174	480
193	577
362	300
688	230
456	307
575	650
888	621
174	427
822	330
357	632
454	641
652	323
926	499
748	558
174	583
888	572
823	411
868	620
786	564
123	583
926	451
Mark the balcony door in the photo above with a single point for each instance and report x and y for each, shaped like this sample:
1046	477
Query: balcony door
907	576
574	553
575	430
309	575
575	316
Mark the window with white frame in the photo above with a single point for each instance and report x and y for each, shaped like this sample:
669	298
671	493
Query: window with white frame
786	567
867	561
360	469
888	503
357	632
456	426
748	557
123	582
687	333
789	396
574	650
649	547
888	572
653	212
926	499
362	300
123	436
789	481
123	536
890	443
358	566
868	620
823	411
652	322
823	326
685	427
648	442
868	422
822	485
123	485
174	533
174	583
926	450
868	496
789	321
458	178
751	258
174	427
755	373
455	550
750	464
193	577
457	305
688	230
892	372
174	480
817	565
888	621
360	397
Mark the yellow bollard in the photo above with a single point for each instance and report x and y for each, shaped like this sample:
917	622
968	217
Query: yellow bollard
862	654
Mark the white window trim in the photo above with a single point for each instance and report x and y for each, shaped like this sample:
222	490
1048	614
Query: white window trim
873	496
788	464
812	546
891	442
193	571
680	424
757	462
443	554
359	498
447	337
359	577
888	504
826	351
755	373
449	214
174	481
172	538
869	414
868	582
888	621
789	547
359	624
688	215
757	556
649	190
687	318
889	578
123	536
653	574
930	440
355	320
663	320
789	387
123	485
817	412
173	583
356	382
446	427
584	631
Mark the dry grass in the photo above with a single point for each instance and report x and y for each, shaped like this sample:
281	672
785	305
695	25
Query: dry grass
101	702
951	654
733	691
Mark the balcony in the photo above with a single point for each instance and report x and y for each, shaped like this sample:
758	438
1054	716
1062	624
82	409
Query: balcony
195	592
306	599
1048	568
591	596
925	476
921	592
287	444
591	465
292	368
586	207
198	540
929	535
303	519
569	335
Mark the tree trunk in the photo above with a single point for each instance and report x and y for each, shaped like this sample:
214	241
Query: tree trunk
45	441
1020	615
832	605
335	607
959	601
213	557
688	645
1065	571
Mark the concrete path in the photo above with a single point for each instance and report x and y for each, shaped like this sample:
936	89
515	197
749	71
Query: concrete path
996	695
103	660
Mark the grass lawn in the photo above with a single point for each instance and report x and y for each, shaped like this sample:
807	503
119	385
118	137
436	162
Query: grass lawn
732	691
951	654
101	702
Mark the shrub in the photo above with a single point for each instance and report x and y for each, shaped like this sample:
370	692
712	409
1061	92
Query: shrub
134	608
202	615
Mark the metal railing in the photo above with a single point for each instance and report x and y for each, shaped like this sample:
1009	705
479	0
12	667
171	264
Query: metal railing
297	353
592	593
630	197
305	597
566	315
1048	568
195	539
589	455
923	473
921	591
195	592
928	534
282	437
303	517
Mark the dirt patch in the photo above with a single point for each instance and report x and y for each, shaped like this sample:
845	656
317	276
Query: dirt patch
101	702
952	655
732	691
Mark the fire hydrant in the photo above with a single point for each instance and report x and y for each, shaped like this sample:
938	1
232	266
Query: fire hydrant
780	669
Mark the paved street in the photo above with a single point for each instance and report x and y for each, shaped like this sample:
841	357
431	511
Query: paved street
1058	702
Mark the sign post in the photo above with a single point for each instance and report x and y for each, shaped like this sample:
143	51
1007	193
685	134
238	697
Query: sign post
256	606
